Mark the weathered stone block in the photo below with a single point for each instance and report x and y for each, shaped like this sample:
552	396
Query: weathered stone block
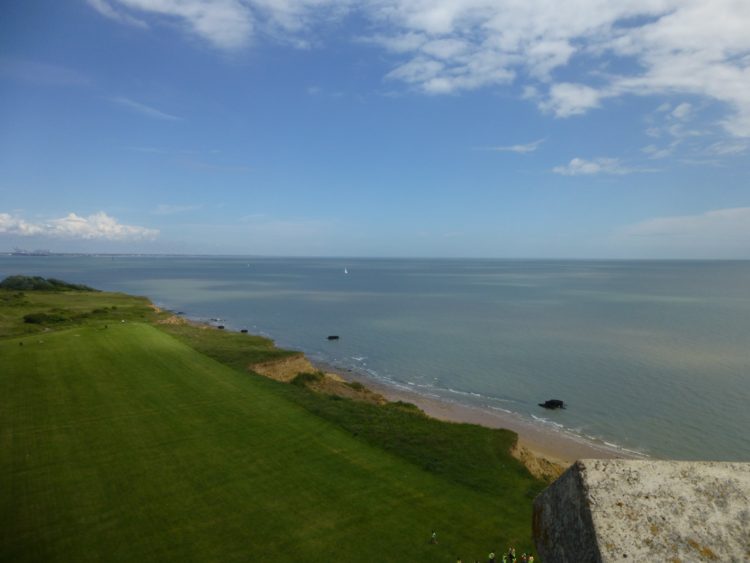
626	510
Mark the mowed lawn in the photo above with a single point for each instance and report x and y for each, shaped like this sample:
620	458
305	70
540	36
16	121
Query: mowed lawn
124	444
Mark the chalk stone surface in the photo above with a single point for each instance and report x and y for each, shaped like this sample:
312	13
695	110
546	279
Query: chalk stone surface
628	510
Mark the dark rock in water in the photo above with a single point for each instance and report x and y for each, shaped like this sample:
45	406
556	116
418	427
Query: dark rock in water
244	331
333	337
553	404
220	326
180	313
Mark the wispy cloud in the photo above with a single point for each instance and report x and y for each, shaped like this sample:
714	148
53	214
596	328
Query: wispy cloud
96	226
666	47
728	148
143	109
197	164
107	10
655	152
682	111
316	90
173	151
519	149
720	223
41	73
228	24
167	209
583	167
719	233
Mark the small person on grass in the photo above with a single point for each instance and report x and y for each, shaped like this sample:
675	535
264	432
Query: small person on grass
433	538
491	558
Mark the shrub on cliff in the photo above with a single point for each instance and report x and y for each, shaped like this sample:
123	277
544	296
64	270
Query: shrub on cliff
52	317
38	283
302	379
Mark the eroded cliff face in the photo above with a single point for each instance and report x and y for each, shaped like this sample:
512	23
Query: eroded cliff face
284	369
624	510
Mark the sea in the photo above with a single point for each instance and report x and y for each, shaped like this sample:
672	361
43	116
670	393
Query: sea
650	357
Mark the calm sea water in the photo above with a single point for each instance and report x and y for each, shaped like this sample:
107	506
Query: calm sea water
653	356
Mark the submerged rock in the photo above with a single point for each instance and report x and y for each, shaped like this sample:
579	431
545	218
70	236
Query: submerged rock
553	404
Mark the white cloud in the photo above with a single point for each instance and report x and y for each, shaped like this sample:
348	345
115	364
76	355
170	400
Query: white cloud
520	149
227	24
583	167
669	47
401	43
682	111
446	76
445	48
13	225
567	99
656	152
107	10
143	109
649	47
727	148
98	226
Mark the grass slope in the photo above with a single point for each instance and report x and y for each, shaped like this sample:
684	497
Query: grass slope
124	443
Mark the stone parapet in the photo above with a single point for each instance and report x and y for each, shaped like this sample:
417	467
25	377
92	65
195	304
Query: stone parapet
627	510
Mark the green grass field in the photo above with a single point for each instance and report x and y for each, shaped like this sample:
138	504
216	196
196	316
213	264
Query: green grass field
128	443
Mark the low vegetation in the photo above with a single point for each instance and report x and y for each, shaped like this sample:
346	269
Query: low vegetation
124	437
306	378
37	283
36	311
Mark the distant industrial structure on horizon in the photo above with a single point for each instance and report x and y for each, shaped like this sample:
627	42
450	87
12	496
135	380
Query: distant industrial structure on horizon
23	252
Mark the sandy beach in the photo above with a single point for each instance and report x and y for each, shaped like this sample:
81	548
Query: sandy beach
555	447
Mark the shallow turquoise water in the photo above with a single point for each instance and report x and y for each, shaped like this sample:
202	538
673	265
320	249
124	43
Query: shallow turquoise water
649	355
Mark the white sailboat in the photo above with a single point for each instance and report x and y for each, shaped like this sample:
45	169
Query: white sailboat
346	271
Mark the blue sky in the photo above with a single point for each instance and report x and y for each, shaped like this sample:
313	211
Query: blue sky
479	128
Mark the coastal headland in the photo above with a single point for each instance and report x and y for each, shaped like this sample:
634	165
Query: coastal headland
130	433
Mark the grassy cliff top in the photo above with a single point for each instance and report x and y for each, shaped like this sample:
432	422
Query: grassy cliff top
123	438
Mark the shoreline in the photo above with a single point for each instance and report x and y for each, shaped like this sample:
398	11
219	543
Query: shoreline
555	447
538	447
